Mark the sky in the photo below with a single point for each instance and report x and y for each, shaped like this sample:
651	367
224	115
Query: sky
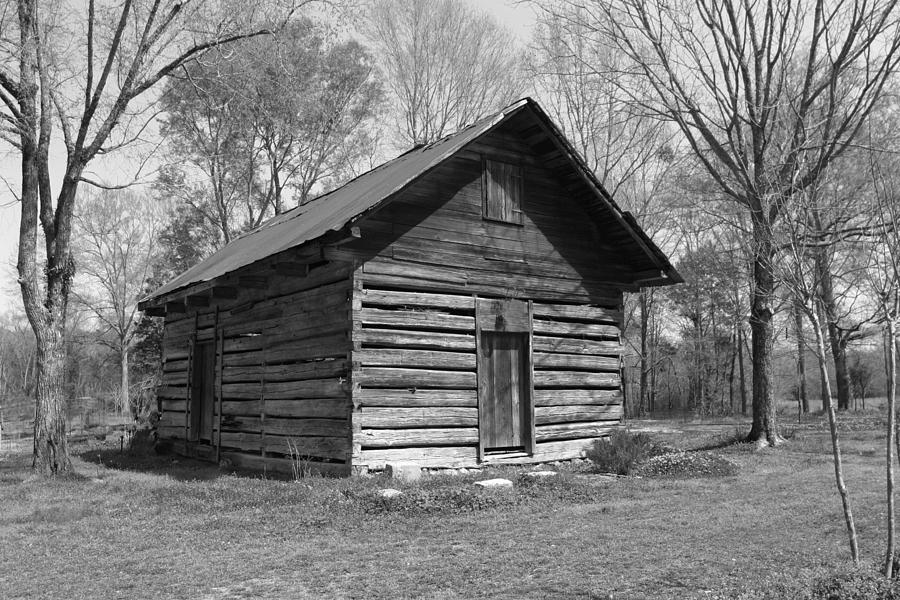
512	13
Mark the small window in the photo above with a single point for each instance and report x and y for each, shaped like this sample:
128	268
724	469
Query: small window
502	192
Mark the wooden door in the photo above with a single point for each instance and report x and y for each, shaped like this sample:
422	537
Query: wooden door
203	376
504	390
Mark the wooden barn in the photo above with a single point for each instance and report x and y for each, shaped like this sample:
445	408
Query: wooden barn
456	306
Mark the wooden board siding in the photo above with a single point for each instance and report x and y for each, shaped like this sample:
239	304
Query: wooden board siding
415	391
282	385
414	381
426	258
435	235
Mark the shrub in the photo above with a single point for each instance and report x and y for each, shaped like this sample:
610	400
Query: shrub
621	452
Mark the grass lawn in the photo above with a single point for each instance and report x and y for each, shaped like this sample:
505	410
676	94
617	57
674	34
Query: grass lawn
160	529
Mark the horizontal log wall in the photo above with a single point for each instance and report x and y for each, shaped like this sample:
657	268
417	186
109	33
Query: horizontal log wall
415	386
424	257
284	372
434	233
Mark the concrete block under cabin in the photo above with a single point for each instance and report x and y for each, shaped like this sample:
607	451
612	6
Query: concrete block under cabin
403	471
494	483
457	307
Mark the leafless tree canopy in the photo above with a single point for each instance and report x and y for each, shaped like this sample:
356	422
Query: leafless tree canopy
81	70
446	63
767	95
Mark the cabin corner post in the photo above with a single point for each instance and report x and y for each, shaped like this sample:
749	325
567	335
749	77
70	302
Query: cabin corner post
354	369
220	367
189	394
623	387
479	374
532	444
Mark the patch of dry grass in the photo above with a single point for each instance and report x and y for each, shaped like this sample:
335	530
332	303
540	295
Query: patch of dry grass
119	533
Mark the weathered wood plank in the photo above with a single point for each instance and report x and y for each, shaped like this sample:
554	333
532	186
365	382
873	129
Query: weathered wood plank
576	346
288	334
547	293
454	457
287	390
567	397
417	339
578	312
417	319
172	419
398	418
283	466
437	457
172	391
396	377
399	357
298	350
319	369
423	299
175	365
323	408
546	415
285	426
174	378
575	379
169	405
574	430
407	398
386	438
589	330
547	360
302	447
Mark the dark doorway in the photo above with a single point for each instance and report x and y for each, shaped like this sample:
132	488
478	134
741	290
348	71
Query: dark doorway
203	376
504	391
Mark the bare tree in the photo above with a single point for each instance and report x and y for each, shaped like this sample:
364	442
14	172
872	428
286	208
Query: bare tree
884	285
630	151
800	273
767	95
116	234
83	71
446	63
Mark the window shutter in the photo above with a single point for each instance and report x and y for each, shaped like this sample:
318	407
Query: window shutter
503	191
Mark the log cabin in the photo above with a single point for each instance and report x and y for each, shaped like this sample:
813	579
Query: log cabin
460	305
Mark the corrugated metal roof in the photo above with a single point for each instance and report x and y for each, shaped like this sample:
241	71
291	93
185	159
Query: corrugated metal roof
331	211
339	208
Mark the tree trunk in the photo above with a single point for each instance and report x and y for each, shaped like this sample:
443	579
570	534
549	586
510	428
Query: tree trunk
890	364
824	382
731	365
803	398
644	392
835	442
743	377
123	381
830	314
762	335
51	452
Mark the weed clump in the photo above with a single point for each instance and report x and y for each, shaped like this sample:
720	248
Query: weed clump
855	584
622	452
427	501
819	583
687	464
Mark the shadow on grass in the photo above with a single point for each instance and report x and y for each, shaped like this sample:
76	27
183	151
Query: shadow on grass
145	460
721	441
